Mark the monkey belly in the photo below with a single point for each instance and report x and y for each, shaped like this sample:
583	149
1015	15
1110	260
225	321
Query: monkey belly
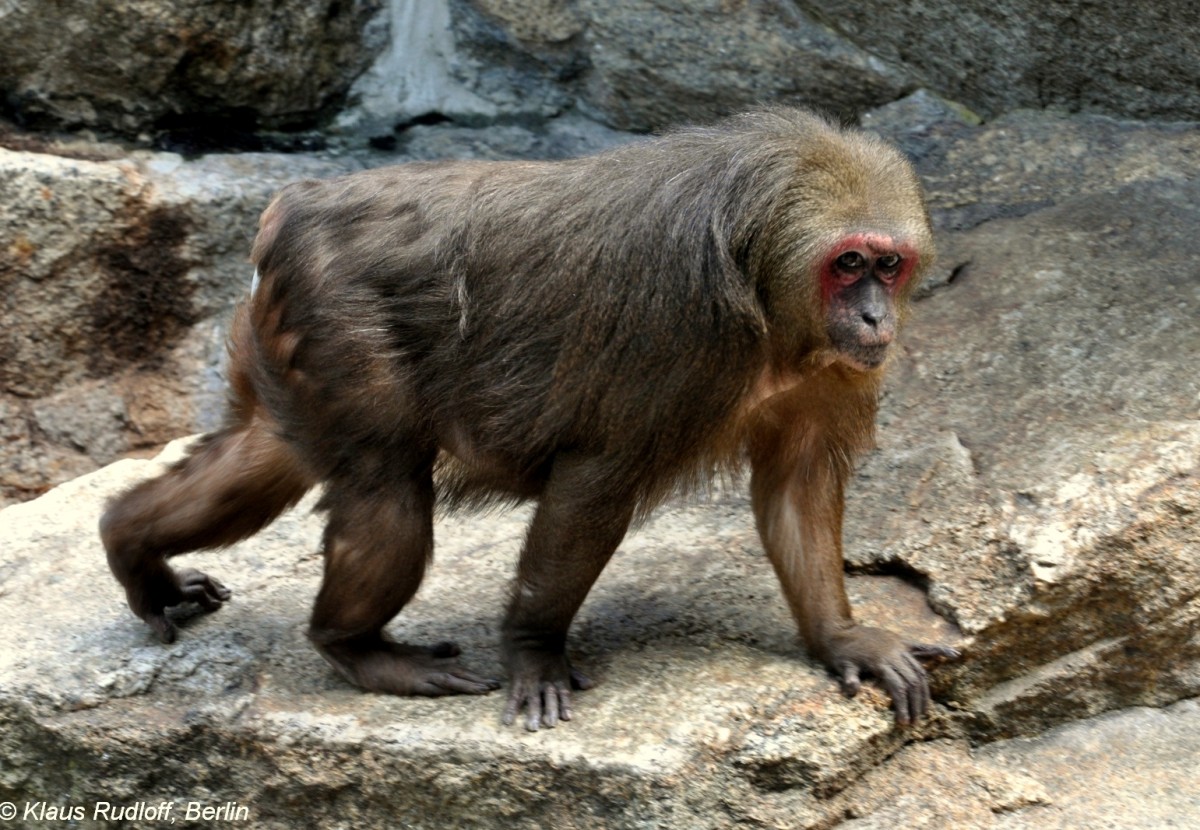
467	473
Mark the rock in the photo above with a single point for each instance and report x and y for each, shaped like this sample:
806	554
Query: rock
1027	161
219	73
1040	439
563	137
706	712
940	784
1130	770
115	279
640	65
1076	56
1035	483
647	64
414	76
122	272
130	66
655	64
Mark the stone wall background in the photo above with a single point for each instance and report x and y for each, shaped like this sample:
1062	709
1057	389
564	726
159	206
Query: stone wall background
1034	494
130	209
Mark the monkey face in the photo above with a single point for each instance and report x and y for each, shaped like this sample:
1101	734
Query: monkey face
862	279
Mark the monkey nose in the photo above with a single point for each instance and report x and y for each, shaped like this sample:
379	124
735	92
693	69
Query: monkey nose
880	330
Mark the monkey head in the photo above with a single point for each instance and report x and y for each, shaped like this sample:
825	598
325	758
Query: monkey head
840	252
864	280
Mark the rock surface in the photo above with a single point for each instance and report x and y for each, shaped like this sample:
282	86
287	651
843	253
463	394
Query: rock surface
641	64
131	66
1048	415
1134	770
115	277
706	713
121	270
1035	483
224	70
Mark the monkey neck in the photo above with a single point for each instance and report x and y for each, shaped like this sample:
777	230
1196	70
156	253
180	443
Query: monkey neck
821	372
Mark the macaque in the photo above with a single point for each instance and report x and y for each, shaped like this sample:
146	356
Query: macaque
596	334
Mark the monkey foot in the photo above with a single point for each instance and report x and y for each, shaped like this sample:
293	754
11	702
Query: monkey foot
541	685
379	665
892	662
166	588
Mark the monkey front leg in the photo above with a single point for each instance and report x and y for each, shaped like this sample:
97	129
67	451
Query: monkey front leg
798	509
580	520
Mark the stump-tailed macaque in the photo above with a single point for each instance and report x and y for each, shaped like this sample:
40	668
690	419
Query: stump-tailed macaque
595	334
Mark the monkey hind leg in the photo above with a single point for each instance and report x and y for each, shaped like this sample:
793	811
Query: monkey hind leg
232	484
377	543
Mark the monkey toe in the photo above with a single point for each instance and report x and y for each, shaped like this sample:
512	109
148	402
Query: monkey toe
851	681
541	688
909	688
162	588
863	650
379	665
162	627
457	681
925	651
202	589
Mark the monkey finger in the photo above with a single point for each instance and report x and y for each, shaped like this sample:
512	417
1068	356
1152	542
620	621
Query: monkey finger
850	680
527	698
533	712
202	589
201	596
581	681
510	710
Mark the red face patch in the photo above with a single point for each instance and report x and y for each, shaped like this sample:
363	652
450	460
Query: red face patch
892	262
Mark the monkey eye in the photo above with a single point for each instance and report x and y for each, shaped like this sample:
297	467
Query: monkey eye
851	261
888	262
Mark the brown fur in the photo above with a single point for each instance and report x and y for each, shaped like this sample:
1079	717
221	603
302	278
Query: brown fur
596	334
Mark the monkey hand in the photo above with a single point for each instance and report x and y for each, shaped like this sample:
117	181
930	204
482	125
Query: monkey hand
541	684
152	592
891	660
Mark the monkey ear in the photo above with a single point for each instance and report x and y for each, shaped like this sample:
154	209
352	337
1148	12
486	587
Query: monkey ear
740	250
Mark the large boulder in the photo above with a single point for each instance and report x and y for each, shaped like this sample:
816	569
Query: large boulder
706	709
1035	485
141	65
998	55
116	272
640	64
1040	442
119	272
223	70
644	64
